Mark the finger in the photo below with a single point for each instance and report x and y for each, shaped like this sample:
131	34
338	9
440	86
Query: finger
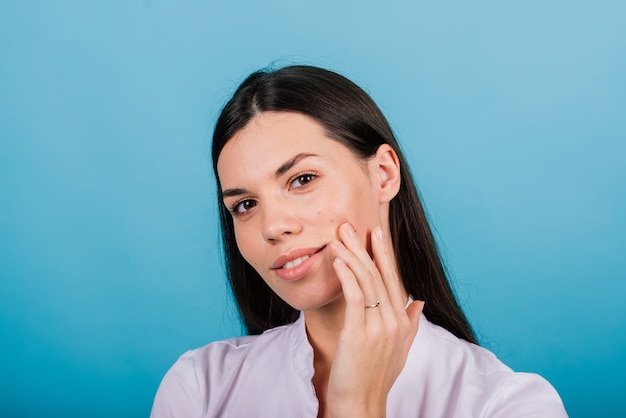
384	259
363	265
414	311
350	239
379	314
354	315
364	275
385	266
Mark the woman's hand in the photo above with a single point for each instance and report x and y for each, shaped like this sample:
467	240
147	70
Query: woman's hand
378	330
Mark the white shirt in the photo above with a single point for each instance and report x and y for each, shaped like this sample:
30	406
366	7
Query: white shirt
269	375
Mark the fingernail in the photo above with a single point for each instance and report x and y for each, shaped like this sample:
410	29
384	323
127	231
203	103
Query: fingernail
349	230
339	262
378	232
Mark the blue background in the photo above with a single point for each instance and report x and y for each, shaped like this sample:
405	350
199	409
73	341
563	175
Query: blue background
513	116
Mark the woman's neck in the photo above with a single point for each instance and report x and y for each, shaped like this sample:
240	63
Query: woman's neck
323	327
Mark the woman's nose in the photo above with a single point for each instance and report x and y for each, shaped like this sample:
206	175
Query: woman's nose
278	221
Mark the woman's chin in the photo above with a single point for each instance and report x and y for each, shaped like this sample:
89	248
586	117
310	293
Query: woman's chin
320	302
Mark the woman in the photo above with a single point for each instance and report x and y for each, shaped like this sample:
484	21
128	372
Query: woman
329	256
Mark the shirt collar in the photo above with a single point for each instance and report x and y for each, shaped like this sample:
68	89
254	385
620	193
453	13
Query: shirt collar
301	351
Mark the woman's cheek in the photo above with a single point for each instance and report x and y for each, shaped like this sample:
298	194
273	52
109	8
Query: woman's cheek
246	246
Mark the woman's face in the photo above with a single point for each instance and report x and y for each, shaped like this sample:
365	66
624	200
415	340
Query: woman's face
289	187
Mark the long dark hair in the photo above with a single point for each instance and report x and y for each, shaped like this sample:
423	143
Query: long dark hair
351	117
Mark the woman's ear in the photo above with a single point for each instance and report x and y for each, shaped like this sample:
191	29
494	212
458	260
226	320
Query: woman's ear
385	169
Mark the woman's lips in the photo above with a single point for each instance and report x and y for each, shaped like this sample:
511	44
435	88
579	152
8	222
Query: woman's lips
297	263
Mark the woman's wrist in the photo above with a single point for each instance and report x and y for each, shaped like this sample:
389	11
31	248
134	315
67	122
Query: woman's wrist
360	410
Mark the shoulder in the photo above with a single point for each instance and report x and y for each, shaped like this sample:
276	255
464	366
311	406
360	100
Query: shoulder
475	360
202	374
511	393
471	380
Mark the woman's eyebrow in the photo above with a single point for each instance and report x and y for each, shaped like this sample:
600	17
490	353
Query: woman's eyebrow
288	164
279	172
233	192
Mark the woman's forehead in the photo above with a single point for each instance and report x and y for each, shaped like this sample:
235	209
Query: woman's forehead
273	138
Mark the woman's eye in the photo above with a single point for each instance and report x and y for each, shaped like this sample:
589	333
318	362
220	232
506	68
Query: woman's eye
302	180
243	206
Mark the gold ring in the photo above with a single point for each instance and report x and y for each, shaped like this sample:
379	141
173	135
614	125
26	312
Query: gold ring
373	306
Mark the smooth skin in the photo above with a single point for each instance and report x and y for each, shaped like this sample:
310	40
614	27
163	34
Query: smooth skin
291	187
